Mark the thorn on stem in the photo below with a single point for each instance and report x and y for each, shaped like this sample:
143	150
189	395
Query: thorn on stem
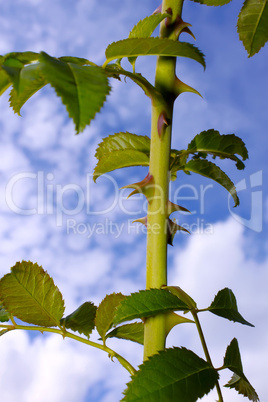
162	124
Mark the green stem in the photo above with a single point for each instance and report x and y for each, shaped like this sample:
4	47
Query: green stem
156	273
67	334
205	348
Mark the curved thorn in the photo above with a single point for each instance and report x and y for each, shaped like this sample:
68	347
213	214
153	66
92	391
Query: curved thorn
171	207
180	87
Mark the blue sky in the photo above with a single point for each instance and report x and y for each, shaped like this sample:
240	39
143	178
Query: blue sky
44	166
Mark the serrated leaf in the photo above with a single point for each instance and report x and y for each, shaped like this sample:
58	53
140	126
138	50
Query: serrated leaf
29	81
145	28
223	146
242	386
82	319
232	361
175	374
154	47
224	305
213	2
13	67
133	332
23	57
232	358
121	150
106	311
76	60
147	303
4	81
212	171
182	295
252	25
29	293
4	315
83	89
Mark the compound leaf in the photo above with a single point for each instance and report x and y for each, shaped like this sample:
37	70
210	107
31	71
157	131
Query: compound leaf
106	311
147	303
121	150
224	305
153	46
83	89
223	146
82	319
132	332
175	374
212	171
252	25
29	293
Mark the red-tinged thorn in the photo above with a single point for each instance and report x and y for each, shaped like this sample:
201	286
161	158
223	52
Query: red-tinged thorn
158	10
142	220
140	186
171	207
168	19
180	87
187	30
162	123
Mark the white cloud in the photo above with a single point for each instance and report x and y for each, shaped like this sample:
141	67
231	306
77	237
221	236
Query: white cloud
48	368
210	263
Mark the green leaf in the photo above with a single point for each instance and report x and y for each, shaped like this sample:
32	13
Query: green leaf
213	2
13	67
82	319
177	291
242	386
76	60
83	89
133	332
29	81
252	25
4	315
223	146
224	305
232	358
232	361
121	150
212	171
23	57
145	28
175	374
30	294
147	303
153	46
4	81
106	311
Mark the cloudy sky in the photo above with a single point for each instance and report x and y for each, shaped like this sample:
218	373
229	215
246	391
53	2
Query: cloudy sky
52	213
